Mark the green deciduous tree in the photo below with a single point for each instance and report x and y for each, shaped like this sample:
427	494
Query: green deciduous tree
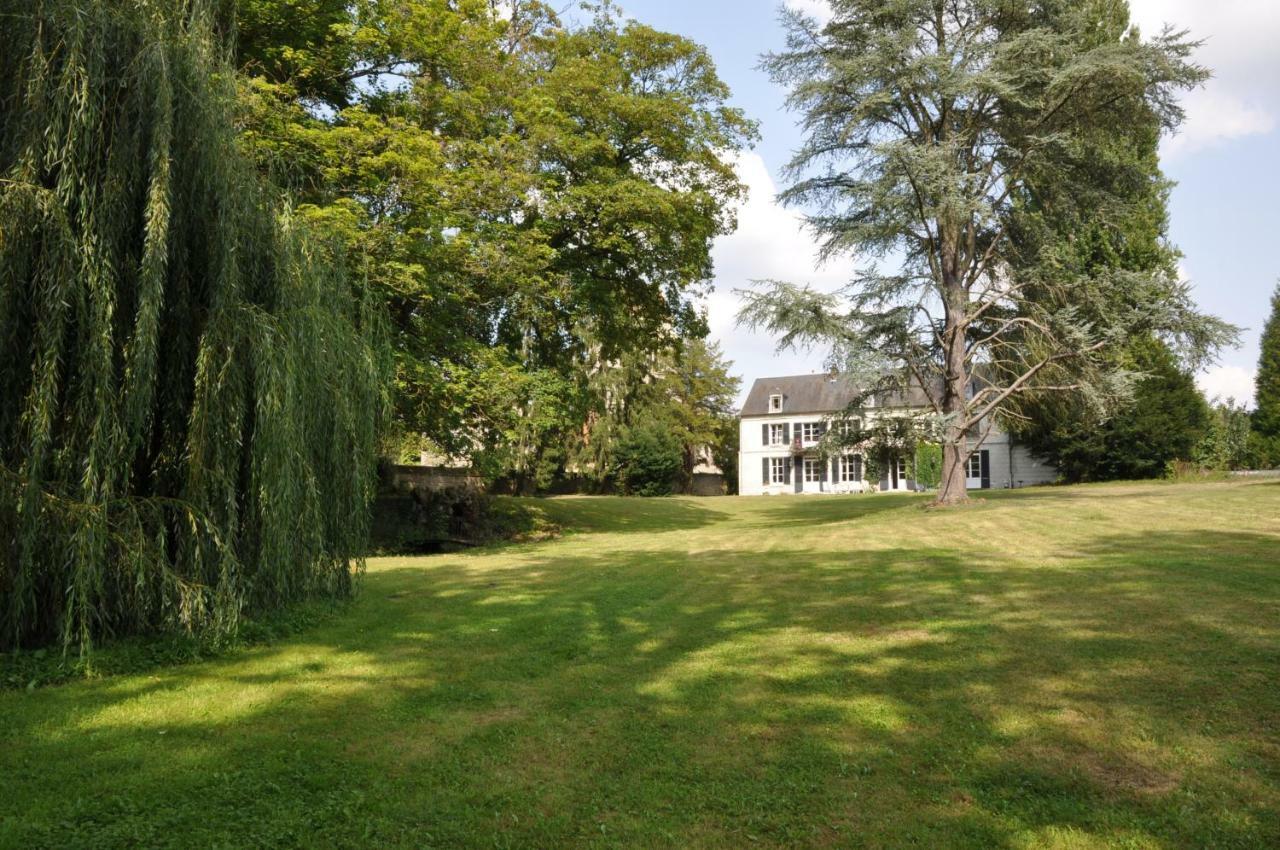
687	388
191	391
930	127
1226	445
530	197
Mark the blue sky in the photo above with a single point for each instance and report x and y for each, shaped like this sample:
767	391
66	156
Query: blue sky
1226	162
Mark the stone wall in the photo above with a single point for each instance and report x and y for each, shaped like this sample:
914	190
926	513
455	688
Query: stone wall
402	479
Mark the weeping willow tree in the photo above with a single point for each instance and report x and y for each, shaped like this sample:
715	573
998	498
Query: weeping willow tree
190	388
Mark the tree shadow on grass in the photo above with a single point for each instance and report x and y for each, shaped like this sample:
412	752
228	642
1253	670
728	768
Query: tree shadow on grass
816	510
620	515
800	697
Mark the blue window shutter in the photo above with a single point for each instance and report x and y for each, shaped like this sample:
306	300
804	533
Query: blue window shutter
986	469
766	470
786	474
764	434
786	432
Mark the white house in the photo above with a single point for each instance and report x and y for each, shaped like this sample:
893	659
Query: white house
784	418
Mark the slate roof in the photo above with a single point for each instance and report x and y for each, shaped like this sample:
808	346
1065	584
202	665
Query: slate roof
817	394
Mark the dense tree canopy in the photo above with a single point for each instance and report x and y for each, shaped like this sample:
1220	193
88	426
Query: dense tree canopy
532	198
932	128
1165	420
191	392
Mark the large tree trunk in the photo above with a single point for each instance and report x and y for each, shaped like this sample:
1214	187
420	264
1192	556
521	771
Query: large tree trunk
953	490
955	378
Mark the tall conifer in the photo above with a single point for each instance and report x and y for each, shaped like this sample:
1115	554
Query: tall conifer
1266	420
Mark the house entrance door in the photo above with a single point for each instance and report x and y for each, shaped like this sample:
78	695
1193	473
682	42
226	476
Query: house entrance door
897	474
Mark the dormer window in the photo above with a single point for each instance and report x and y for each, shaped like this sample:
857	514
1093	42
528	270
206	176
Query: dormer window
775	404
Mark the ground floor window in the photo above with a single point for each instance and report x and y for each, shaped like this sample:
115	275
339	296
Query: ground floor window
975	465
850	468
812	469
777	470
902	469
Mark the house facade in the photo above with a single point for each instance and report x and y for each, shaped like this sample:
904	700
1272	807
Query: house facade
784	419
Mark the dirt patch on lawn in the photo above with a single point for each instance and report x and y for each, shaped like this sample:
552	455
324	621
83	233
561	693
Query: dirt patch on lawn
1113	773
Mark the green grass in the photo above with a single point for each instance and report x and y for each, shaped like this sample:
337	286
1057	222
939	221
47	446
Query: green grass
1077	667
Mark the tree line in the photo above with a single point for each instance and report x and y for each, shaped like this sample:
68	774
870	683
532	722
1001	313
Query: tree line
533	196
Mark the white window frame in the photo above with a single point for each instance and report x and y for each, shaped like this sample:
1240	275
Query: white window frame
849	426
777	470
847	469
975	465
811	432
775	404
777	434
902	468
813	470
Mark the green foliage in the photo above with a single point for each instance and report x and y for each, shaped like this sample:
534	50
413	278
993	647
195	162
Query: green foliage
724	452
1165	421
1226	443
880	440
648	459
695	392
437	519
1266	417
533	199
1263	451
687	387
193	392
928	465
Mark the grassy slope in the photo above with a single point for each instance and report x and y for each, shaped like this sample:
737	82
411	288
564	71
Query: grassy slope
1080	667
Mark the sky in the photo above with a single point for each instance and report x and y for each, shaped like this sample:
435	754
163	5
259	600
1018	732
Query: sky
1225	161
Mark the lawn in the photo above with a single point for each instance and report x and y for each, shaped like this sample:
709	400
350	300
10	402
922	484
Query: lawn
1074	667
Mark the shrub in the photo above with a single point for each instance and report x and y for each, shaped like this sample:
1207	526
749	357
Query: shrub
648	460
929	466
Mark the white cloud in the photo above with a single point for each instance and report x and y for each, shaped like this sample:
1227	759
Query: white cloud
1240	38
1215	117
770	243
814	8
1239	47
1226	382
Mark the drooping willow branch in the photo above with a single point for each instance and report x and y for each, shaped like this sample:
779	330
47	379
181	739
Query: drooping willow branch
191	388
